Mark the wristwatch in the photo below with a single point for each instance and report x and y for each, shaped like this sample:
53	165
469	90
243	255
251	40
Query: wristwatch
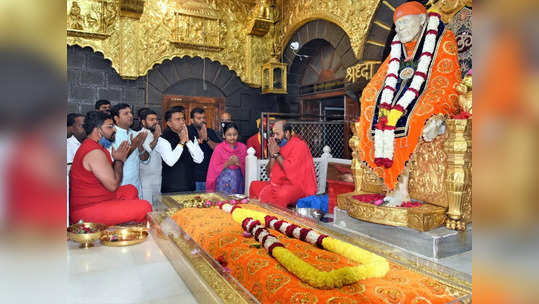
275	155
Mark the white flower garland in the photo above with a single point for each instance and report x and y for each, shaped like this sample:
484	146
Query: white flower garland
384	139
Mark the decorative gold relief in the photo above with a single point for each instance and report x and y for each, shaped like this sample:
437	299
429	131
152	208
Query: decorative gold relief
200	31
357	169
262	19
91	18
447	8
131	8
259	26
427	172
464	89
214	29
352	16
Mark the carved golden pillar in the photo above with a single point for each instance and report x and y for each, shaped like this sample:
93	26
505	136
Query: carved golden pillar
357	169
129	61
457	174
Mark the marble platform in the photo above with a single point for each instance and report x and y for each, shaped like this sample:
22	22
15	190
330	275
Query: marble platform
435	244
138	274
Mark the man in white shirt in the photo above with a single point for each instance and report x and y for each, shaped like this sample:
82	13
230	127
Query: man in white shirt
150	171
74	125
123	118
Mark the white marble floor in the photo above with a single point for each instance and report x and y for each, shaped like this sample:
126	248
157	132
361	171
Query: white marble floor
116	275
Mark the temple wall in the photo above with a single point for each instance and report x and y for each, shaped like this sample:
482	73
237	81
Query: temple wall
91	77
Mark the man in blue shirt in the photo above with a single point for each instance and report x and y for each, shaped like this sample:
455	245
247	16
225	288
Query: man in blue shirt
123	118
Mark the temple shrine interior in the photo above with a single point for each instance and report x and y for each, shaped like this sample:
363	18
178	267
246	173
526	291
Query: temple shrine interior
269	151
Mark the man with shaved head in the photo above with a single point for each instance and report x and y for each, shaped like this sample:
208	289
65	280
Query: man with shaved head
291	168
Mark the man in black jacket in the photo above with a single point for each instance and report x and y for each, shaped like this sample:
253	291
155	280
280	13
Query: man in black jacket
180	176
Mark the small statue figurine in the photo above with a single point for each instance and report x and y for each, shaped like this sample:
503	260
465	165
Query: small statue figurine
264	11
465	93
75	17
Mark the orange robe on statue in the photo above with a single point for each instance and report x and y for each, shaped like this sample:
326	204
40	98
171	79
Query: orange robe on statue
295	180
90	201
439	96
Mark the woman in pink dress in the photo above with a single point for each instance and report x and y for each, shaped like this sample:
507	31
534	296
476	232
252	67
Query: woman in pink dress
227	165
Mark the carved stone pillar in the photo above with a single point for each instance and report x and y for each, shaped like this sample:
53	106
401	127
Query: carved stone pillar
457	173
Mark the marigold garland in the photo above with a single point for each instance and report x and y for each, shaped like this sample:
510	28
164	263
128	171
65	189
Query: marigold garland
372	265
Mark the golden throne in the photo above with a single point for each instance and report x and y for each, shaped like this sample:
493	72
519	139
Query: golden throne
440	174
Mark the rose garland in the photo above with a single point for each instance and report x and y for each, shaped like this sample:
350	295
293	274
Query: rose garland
389	114
372	265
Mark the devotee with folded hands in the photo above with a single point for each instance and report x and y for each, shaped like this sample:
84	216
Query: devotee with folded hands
227	165
291	167
95	191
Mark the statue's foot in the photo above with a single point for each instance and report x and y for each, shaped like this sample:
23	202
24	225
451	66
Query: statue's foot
383	162
388	163
390	201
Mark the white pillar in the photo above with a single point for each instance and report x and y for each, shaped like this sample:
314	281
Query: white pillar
323	169
251	169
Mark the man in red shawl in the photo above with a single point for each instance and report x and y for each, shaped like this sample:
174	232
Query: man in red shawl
292	169
95	192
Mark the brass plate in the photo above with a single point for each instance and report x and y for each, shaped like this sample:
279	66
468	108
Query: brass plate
423	218
124	237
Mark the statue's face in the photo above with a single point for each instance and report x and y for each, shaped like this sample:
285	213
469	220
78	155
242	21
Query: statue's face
409	26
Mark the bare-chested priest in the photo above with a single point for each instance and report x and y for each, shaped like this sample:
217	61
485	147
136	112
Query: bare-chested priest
95	191
292	169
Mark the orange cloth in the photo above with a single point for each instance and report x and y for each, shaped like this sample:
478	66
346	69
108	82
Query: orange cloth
440	96
219	235
409	8
278	195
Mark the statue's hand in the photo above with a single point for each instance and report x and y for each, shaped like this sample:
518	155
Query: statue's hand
435	126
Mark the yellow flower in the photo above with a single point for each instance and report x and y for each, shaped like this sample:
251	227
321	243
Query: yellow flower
240	214
372	265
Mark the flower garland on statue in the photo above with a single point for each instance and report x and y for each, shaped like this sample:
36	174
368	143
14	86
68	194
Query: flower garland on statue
372	264
389	114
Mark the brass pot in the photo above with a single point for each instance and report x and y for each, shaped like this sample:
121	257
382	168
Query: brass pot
85	239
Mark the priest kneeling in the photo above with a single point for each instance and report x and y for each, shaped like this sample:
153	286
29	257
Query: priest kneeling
292	169
95	191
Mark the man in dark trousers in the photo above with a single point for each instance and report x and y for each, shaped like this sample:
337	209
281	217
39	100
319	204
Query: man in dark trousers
207	139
